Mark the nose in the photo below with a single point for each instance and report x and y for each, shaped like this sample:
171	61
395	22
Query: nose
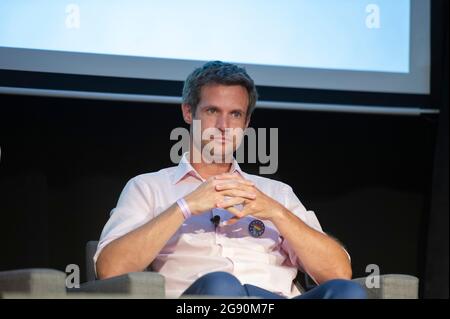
222	123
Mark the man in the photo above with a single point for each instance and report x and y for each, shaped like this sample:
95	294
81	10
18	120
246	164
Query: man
208	227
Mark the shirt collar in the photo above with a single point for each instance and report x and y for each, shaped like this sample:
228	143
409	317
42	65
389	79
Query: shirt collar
185	168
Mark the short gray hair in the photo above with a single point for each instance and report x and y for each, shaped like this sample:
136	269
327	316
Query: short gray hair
218	72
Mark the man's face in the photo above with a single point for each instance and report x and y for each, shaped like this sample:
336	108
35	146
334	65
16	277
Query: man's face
222	109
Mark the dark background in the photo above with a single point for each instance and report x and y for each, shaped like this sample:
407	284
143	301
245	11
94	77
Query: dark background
378	183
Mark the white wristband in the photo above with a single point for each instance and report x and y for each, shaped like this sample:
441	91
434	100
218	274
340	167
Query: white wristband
184	208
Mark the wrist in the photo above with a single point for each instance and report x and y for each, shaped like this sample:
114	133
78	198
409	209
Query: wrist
184	207
279	215
191	205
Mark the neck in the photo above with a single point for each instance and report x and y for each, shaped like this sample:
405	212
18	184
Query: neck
207	170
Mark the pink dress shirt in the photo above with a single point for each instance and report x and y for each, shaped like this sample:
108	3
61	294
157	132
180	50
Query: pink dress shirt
198	248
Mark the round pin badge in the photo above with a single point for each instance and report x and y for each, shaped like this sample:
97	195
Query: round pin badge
256	228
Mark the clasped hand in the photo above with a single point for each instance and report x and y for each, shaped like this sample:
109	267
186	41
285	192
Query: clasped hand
228	190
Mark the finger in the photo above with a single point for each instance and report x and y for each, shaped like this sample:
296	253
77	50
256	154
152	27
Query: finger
235	181
233	176
236	216
243	185
231	221
231	202
238	193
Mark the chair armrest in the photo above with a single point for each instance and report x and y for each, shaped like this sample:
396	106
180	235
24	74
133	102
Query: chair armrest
392	286
145	284
32	283
91	248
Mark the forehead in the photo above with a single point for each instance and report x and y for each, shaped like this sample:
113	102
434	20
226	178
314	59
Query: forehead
224	96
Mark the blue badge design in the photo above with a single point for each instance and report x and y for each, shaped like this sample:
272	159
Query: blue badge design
256	228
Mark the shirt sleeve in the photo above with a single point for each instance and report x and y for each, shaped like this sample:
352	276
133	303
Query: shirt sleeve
134	208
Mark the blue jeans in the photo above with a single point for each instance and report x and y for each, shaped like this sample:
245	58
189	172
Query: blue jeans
224	284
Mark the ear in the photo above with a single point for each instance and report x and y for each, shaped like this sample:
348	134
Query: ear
187	113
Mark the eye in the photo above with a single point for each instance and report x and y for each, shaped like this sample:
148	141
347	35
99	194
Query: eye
237	114
211	110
